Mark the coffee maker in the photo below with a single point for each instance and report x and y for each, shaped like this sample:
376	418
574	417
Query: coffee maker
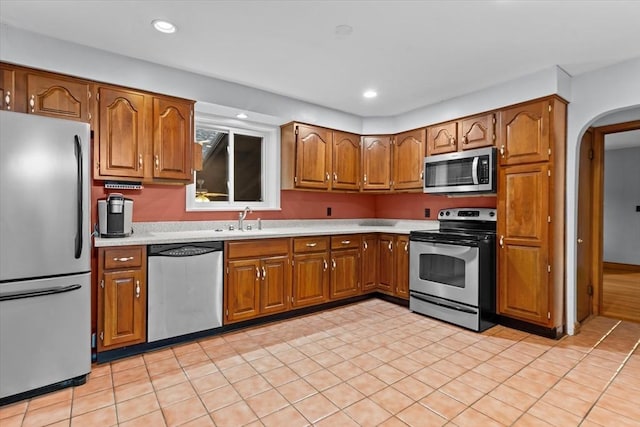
115	214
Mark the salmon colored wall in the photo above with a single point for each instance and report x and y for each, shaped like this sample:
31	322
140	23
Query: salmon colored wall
167	203
412	205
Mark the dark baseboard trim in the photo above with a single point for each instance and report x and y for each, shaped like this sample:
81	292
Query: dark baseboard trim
520	325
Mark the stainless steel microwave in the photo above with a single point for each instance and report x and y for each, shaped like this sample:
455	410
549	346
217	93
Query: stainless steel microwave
472	171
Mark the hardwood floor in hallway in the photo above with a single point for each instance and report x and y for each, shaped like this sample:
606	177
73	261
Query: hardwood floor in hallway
621	292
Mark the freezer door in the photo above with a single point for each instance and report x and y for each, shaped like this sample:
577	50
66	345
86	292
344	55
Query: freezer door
44	196
45	332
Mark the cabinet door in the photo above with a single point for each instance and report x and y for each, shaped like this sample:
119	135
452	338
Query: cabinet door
524	133
376	163
275	284
369	262
345	273
477	132
8	88
523	252
313	157
172	139
54	96
121	114
442	138
124	306
402	267
310	279
242	289
386	263
346	161
408	160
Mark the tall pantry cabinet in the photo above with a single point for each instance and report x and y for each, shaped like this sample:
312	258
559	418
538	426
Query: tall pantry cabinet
530	228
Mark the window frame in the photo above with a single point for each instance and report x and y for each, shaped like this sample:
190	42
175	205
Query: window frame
270	165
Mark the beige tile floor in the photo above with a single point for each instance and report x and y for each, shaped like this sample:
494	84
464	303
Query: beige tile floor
371	363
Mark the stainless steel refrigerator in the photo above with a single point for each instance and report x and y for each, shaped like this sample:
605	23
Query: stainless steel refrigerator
45	263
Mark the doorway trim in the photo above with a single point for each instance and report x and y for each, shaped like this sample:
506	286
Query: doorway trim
597	207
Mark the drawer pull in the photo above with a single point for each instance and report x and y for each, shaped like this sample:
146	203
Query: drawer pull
311	245
123	259
346	242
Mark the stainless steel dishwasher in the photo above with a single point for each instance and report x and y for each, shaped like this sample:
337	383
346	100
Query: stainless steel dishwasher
184	289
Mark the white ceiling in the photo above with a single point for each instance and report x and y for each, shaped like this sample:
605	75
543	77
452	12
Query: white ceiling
414	53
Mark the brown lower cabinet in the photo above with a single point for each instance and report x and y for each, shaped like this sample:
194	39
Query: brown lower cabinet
310	271
258	278
393	265
122	296
345	266
369	262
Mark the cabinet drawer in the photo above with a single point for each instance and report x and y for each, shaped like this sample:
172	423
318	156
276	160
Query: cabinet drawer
257	248
347	241
123	257
310	244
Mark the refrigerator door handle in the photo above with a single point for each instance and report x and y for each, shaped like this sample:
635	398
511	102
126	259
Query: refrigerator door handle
78	152
8	296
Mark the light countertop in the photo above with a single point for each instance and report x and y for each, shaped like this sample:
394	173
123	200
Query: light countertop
150	233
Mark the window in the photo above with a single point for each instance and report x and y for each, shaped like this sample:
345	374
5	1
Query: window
240	167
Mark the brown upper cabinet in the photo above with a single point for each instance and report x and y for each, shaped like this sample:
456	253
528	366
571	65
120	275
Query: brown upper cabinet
346	161
524	133
56	96
317	158
376	162
464	134
408	160
8	88
142	136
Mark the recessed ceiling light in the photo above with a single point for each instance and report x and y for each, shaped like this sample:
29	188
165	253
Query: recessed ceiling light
370	94
241	116
163	26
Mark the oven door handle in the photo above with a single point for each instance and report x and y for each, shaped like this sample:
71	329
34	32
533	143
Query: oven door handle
443	304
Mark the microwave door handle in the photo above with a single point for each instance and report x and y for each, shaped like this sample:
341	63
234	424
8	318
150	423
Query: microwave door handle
474	170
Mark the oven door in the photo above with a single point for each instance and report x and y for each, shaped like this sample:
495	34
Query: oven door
445	270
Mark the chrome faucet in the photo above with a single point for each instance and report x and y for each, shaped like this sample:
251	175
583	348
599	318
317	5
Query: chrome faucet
241	217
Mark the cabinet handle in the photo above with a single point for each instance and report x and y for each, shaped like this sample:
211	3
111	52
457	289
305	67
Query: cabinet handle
406	246
123	259
326	177
257	274
421	175
390	246
452	141
264	273
7	100
324	264
502	241
32	103
138	289
311	245
464	140
365	245
335	176
580	240
502	150
140	160
157	161
346	242
333	263
365	178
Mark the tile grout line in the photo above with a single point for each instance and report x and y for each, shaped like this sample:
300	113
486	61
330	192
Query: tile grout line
610	381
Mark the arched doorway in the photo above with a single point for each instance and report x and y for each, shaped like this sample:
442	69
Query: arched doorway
591	295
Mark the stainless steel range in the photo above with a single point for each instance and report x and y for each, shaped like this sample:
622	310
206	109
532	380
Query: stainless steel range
452	271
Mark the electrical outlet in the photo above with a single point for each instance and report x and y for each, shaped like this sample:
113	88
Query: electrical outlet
637	208
427	212
328	211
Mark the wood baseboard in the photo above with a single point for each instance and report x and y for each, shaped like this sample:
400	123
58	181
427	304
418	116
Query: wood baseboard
620	266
